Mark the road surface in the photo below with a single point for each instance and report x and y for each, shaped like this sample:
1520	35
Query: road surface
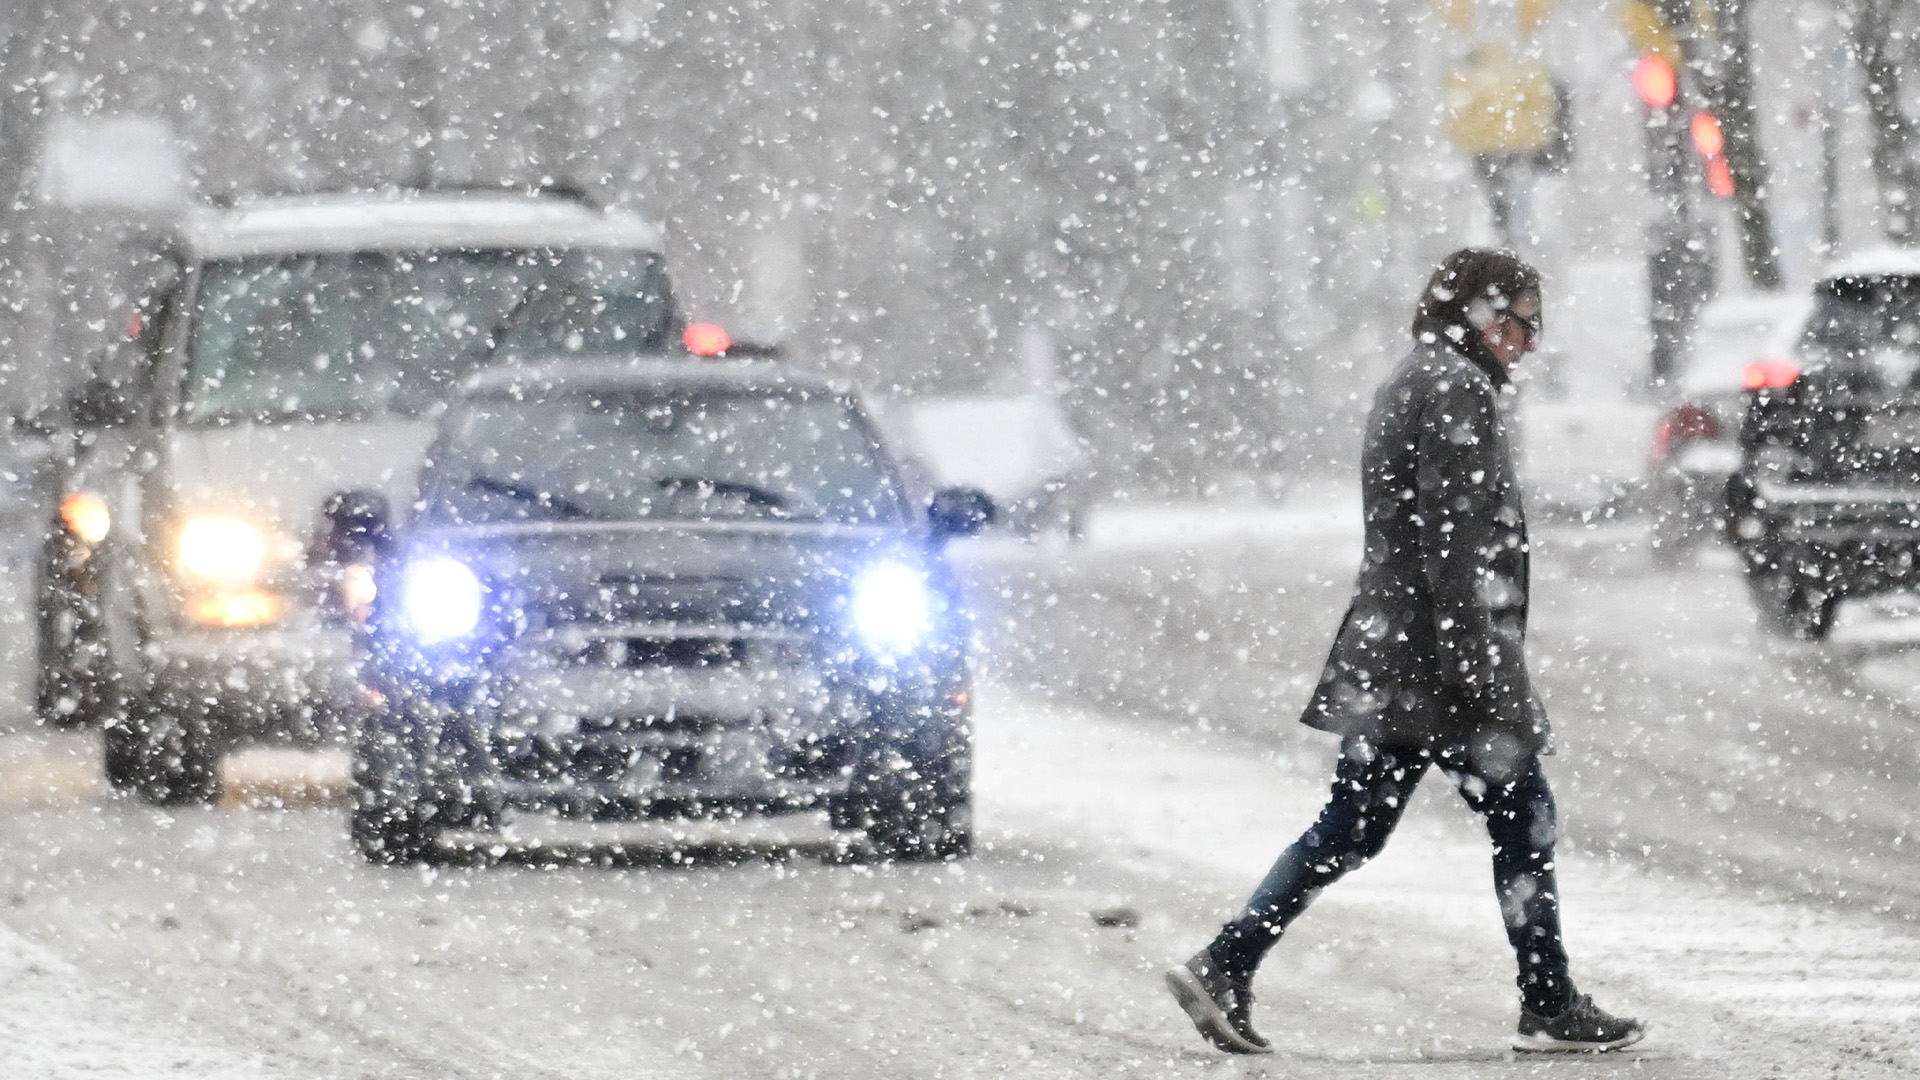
1739	869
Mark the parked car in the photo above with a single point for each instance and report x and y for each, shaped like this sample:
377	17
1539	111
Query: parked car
1826	503
664	590
1018	448
232	465
1696	445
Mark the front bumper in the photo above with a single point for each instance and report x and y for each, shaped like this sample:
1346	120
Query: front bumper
610	743
301	681
1833	514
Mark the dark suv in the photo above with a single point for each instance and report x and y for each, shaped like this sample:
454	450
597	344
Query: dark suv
666	589
1826	504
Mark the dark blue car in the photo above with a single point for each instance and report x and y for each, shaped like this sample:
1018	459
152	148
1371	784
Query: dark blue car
671	589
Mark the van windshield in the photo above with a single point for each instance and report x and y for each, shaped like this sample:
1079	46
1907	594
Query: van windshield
627	456
362	333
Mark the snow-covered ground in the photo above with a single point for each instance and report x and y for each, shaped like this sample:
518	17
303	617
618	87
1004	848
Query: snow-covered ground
1087	818
1738	869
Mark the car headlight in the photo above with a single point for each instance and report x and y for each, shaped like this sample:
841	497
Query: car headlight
891	606
221	549
441	599
86	517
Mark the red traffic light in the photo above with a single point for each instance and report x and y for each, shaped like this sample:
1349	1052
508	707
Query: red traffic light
706	339
1653	78
1720	177
1707	137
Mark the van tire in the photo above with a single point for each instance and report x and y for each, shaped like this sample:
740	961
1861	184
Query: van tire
162	759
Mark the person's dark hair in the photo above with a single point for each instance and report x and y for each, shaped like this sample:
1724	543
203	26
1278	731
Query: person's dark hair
1465	293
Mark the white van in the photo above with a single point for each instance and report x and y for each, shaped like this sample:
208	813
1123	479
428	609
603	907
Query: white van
234	464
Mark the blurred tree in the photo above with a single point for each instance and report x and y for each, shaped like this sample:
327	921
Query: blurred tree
1886	38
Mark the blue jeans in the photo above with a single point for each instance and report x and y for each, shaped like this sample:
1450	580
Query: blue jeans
1370	791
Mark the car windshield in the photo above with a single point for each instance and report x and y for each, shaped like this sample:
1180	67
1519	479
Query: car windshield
362	333
726	455
1873	323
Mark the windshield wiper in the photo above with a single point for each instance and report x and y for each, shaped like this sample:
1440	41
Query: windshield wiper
561	505
754	494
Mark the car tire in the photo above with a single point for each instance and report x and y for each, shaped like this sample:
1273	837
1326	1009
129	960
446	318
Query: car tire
386	820
919	810
164	759
388	833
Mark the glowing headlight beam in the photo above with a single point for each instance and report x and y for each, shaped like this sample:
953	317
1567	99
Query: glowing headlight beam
441	598
222	549
891	607
86	517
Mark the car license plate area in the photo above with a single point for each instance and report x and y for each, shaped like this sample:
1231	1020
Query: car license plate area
653	652
625	754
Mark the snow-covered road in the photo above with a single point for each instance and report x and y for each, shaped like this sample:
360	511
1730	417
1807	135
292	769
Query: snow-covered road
248	942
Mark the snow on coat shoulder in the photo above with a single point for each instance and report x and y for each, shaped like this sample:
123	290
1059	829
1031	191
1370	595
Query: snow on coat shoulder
1432	649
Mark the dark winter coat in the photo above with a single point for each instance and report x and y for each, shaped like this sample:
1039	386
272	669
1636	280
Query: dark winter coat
1432	650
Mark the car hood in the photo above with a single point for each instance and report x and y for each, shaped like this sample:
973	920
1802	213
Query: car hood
548	575
278	475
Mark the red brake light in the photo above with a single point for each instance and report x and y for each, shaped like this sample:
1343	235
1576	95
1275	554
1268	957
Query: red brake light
706	339
1773	373
1682	424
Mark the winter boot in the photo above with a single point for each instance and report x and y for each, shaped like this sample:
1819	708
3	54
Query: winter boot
1583	1026
1220	1005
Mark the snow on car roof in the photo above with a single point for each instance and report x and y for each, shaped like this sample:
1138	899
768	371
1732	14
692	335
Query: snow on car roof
615	374
1878	262
412	221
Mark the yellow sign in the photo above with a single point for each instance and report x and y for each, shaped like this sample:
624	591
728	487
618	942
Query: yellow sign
1498	104
1459	15
1650	34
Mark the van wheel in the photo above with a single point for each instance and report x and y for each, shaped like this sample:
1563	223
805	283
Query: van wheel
70	689
165	760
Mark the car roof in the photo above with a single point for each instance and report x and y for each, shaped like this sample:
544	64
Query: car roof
1743	309
412	221
1877	262
622	374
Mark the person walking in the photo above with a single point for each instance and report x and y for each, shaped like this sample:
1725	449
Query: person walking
1429	668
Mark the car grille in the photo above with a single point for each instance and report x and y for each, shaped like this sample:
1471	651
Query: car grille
661	652
673	750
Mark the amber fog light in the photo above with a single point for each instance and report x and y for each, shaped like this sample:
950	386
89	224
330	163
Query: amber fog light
221	549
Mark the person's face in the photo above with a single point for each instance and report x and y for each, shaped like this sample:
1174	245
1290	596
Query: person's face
1514	331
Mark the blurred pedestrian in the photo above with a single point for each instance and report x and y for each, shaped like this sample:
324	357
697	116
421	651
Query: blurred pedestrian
1428	668
1503	112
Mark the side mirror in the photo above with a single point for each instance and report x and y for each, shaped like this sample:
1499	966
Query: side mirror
357	527
100	403
959	512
